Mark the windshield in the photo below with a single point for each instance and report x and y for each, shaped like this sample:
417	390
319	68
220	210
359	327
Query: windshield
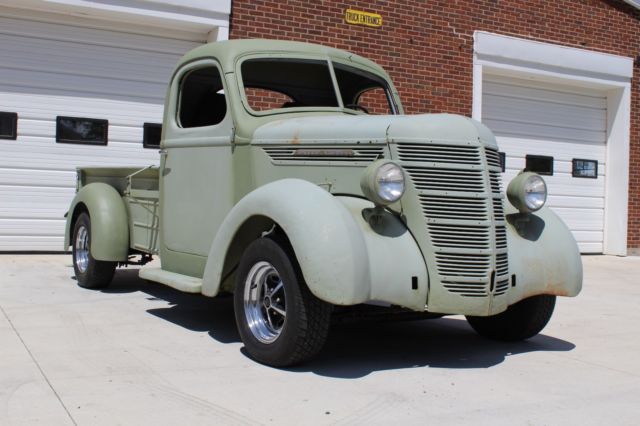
283	83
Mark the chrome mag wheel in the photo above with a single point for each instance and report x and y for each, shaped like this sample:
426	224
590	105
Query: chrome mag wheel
81	252
265	304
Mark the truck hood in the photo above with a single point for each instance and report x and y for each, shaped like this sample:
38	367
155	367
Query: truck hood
372	129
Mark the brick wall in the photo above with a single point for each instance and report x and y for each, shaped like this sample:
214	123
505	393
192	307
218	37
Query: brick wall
427	46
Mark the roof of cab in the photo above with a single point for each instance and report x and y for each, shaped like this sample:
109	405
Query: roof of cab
226	52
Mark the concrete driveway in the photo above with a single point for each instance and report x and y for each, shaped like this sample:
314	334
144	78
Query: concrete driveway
144	354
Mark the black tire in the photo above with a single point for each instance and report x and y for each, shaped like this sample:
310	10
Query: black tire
90	273
278	341
520	321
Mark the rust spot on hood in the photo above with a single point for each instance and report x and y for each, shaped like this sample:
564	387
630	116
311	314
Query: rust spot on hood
296	139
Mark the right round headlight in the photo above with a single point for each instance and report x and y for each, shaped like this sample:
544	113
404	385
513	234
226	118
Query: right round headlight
527	192
383	182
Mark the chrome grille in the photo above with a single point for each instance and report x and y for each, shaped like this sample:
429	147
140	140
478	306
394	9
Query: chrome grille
460	193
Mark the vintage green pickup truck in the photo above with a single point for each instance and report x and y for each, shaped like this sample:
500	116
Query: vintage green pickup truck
291	177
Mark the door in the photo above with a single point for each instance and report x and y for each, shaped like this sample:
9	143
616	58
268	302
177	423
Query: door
196	181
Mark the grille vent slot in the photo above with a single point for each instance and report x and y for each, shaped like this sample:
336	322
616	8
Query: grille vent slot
324	154
493	158
443	207
449	180
457	236
433	153
501	287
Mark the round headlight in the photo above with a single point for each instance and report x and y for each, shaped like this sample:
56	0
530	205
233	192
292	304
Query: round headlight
527	192
383	182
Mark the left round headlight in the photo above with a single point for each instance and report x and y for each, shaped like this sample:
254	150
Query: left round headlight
527	192
383	182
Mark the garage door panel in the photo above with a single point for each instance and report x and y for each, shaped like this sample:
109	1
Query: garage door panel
515	164
570	201
590	248
521	110
547	92
26	202
579	219
589	236
544	132
66	165
93	36
63	84
31	211
117	134
33	227
42	178
564	122
45	108
31	243
105	62
562	167
563	150
43	129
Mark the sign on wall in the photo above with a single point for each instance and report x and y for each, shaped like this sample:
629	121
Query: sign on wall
358	17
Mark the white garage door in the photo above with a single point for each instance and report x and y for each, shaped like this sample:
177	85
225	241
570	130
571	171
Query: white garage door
566	123
49	70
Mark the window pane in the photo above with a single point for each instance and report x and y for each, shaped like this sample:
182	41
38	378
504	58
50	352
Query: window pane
585	168
202	102
540	164
81	130
8	125
374	101
361	89
306	83
264	100
151	135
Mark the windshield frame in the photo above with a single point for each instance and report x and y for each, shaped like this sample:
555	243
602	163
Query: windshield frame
388	87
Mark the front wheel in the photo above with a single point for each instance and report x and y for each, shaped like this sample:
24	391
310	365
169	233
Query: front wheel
280	321
90	273
520	321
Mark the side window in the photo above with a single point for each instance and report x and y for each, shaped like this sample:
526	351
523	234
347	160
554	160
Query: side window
374	101
362	90
201	98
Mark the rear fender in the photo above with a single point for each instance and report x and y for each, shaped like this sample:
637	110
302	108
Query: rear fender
109	221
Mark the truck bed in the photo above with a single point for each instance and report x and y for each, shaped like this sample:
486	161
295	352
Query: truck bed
140	191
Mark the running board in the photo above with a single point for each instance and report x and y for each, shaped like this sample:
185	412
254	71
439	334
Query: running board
178	281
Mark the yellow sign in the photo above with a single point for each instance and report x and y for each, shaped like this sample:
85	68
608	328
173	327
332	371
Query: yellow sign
363	18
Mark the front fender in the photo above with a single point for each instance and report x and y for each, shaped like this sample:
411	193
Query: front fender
109	221
543	255
343	260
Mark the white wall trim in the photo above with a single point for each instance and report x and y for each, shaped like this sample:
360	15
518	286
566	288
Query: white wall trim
515	57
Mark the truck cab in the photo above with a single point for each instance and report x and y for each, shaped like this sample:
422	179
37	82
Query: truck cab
291	177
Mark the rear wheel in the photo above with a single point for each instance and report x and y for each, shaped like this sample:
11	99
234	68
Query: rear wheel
280	321
90	273
520	321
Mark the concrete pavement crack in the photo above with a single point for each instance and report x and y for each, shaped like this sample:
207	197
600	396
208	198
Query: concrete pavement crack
35	361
